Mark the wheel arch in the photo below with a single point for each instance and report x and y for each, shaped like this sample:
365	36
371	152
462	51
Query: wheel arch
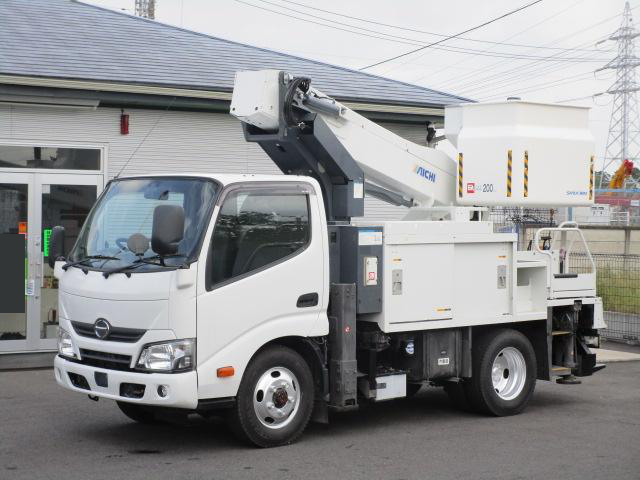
536	332
313	352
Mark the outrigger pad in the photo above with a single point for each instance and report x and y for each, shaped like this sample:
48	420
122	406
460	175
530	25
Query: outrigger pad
586	360
568	380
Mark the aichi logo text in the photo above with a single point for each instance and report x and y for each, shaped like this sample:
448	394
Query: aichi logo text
423	172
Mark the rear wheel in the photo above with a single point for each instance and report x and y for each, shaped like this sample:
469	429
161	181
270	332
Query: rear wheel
504	373
275	398
137	413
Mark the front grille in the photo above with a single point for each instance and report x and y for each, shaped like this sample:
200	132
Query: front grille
111	361
116	334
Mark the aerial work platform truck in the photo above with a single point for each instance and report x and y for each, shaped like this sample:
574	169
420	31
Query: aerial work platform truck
273	300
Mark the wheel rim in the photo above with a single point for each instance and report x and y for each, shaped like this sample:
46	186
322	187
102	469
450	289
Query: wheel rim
508	373
276	398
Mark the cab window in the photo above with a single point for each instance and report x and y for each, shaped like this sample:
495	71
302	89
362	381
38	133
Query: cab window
256	229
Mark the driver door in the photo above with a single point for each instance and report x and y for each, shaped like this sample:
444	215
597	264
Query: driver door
264	278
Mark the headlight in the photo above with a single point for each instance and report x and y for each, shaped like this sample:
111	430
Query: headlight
178	355
65	344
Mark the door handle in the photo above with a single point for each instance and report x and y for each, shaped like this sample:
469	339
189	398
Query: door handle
307	300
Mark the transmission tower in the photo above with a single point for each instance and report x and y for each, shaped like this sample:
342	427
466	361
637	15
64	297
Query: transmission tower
146	8
624	127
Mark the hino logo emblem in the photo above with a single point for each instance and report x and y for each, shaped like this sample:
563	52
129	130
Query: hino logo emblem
101	328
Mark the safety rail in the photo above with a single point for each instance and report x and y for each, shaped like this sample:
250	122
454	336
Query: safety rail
564	227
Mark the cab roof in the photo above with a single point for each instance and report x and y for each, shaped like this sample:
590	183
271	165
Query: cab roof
229	178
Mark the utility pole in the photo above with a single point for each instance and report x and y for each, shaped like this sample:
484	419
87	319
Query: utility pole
624	127
146	8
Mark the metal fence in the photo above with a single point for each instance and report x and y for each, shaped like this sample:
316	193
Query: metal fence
618	275
618	283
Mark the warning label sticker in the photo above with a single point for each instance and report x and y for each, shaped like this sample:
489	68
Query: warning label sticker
370	237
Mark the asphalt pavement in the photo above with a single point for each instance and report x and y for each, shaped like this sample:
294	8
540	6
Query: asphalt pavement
591	431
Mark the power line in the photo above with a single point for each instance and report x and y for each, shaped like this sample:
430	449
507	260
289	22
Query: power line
471	79
474	80
540	86
373	22
581	98
408	41
550	17
453	36
510	76
514	76
484	53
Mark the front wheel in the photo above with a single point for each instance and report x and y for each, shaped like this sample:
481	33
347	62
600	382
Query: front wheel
275	398
504	373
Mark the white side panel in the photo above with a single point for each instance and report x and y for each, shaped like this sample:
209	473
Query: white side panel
375	209
175	141
420	173
427	283
256	97
482	280
445	274
179	142
551	153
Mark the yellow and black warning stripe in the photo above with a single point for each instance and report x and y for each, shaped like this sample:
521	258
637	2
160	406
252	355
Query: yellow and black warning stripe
509	171
460	175
526	173
591	178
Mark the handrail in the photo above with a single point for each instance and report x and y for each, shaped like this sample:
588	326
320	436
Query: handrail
562	228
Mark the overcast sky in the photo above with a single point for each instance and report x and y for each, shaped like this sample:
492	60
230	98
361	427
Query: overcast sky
552	55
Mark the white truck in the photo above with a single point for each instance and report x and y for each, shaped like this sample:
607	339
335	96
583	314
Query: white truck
265	299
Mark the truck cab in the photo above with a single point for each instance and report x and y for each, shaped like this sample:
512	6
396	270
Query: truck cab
171	327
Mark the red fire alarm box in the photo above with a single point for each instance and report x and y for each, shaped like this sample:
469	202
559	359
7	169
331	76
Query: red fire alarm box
124	124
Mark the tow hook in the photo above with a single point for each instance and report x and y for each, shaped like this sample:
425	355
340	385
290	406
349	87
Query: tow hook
93	397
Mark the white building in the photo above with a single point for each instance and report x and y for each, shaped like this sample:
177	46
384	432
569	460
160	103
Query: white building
87	94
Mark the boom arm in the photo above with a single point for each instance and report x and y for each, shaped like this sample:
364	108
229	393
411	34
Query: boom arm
306	132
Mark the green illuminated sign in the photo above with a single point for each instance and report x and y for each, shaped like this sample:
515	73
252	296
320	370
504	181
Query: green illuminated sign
45	241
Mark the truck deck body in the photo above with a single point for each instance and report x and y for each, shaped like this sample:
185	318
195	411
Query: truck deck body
266	268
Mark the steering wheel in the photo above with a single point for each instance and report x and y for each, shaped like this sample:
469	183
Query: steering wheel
122	243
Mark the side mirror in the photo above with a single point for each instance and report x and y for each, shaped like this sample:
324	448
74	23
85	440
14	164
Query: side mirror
167	229
56	245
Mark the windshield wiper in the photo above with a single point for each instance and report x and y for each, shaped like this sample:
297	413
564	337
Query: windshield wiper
86	259
146	261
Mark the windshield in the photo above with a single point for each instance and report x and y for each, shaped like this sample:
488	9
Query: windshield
126	208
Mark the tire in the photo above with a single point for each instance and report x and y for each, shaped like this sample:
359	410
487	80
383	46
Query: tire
458	396
508	391
275	399
137	413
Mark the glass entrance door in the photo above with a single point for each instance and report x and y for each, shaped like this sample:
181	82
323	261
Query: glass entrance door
31	204
16	218
63	199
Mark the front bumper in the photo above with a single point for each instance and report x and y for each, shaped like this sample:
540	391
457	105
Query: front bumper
182	387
